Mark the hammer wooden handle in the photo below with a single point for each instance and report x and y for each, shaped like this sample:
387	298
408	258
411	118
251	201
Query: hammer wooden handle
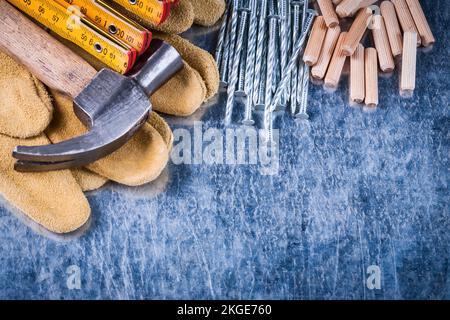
49	60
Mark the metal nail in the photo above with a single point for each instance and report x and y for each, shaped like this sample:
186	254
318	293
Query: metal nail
299	44
294	74
227	48
221	37
270	69
235	66
240	91
284	39
250	63
259	51
302	114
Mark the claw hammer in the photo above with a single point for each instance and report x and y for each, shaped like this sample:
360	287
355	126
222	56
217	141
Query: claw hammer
112	106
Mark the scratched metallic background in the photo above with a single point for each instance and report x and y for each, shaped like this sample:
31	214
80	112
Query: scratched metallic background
354	189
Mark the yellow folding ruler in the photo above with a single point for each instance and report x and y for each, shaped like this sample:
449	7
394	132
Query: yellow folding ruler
152	10
110	20
76	28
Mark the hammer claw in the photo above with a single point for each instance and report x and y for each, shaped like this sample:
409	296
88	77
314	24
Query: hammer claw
75	152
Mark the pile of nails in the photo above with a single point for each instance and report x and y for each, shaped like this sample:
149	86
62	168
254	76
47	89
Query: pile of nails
260	43
258	50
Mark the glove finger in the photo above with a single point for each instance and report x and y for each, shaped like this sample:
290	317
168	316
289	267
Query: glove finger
88	180
197	58
52	199
139	161
180	19
182	95
25	107
207	12
157	122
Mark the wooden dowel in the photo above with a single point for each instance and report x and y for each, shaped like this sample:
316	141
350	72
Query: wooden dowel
382	45
315	42
347	7
320	68
371	77
405	18
336	64
408	76
357	75
356	31
421	22
366	3
392	27
327	9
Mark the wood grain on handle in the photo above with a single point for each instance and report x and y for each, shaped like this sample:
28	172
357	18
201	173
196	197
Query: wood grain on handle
405	18
392	27
382	45
45	57
315	42
371	77
421	22
336	64
357	75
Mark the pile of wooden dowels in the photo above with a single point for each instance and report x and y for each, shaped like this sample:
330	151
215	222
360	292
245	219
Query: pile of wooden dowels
398	27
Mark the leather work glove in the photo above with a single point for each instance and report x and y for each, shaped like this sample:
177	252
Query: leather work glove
29	115
184	14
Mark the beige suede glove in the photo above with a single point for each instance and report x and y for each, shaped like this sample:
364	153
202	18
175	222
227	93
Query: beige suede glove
30	116
184	14
26	111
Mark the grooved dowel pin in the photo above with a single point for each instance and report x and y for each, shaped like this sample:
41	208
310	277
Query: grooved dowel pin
405	18
371	77
357	75
381	40
320	68
327	9
356	32
421	22
336	64
392	27
315	42
408	76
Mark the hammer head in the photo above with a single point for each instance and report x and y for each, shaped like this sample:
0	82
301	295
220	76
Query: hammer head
113	107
